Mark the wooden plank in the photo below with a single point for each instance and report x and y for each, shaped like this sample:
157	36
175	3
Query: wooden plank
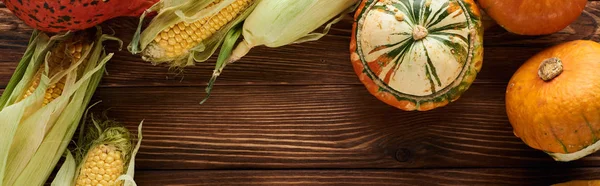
472	177
336	126
321	62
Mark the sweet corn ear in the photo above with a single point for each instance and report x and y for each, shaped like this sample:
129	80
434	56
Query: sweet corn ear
62	56
102	166
177	40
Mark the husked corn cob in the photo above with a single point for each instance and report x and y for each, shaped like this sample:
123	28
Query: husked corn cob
102	166
181	37
62	56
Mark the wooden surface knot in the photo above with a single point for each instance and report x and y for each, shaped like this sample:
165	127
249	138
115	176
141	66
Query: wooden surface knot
403	155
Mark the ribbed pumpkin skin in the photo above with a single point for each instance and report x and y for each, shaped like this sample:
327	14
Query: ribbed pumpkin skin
561	115
410	73
533	17
71	15
579	183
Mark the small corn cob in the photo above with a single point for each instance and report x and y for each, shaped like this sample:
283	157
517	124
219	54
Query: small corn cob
180	38
105	152
102	166
62	56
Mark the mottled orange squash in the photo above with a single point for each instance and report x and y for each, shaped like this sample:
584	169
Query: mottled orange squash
533	17
579	183
553	100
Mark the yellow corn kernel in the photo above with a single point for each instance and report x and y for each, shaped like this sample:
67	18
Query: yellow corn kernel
197	31
63	55
102	165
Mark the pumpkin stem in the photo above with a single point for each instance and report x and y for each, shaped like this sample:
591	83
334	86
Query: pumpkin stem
550	68
419	32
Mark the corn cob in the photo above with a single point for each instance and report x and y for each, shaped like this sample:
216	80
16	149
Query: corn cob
103	165
177	40
106	153
62	56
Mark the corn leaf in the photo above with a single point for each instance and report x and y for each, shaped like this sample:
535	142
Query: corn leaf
10	117
276	23
66	173
20	70
11	114
232	36
128	177
43	118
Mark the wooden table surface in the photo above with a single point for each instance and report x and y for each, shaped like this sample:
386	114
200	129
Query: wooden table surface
298	115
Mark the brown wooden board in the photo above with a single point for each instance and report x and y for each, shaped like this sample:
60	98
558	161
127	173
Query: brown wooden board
471	177
298	115
335	126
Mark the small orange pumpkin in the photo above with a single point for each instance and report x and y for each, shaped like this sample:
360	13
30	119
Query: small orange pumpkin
533	17
552	100
579	183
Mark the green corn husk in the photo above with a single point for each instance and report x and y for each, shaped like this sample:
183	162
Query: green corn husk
97	133
33	136
171	12
276	23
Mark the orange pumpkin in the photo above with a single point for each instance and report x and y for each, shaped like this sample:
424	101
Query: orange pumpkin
552	100
579	183
533	17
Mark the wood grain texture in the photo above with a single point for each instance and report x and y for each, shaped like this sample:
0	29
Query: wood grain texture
323	118
335	126
471	177
322	62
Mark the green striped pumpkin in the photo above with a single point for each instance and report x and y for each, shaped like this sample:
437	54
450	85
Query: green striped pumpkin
417	54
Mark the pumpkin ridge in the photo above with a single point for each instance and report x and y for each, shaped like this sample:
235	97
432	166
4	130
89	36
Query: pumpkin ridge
419	7
432	67
431	83
410	11
426	12
442	16
556	136
450	35
401	33
450	26
437	15
594	137
379	63
406	48
459	58
410	21
381	47
416	6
